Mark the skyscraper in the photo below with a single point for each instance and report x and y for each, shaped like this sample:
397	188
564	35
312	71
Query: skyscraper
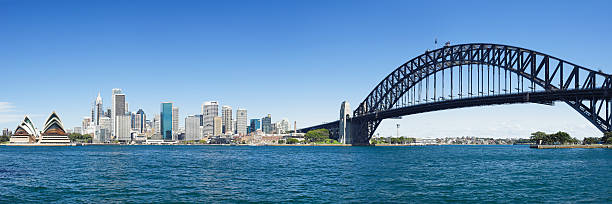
119	107
175	121
255	125
166	120
217	124
114	109
241	121
192	128
226	113
266	124
210	110
99	109
140	121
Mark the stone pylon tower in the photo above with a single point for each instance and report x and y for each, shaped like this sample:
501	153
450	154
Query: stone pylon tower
344	135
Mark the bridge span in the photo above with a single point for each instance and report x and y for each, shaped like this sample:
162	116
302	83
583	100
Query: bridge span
476	74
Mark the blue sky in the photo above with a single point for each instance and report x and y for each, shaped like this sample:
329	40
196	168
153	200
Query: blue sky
293	59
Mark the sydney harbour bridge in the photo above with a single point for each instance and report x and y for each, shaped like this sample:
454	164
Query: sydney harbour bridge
476	74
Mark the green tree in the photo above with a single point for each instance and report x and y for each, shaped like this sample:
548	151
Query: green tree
538	136
292	141
317	136
4	138
591	140
607	138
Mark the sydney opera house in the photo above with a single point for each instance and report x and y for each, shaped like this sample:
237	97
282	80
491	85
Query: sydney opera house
52	133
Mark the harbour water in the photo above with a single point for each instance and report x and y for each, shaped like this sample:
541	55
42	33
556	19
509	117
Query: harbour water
144	174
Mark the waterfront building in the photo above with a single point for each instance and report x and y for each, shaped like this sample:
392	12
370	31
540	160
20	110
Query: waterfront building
54	132
99	109
166	120
226	113
241	121
124	128
157	124
175	121
217	124
140	121
210	110
266	124
192	128
255	125
24	133
117	106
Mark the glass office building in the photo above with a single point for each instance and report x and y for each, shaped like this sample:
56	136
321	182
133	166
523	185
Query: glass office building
166	121
255	125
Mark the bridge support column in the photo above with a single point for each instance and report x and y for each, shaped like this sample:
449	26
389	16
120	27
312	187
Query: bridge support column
344	126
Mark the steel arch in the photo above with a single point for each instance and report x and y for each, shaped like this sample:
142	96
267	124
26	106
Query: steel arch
528	64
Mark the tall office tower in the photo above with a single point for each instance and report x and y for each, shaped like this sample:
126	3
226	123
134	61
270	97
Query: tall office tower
217	124
118	108
123	128
157	124
166	120
192	128
99	109
226	113
108	113
210	110
241	121
140	121
255	125
113	111
266	124
127	110
175	121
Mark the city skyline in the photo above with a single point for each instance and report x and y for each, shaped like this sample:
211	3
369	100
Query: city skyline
292	72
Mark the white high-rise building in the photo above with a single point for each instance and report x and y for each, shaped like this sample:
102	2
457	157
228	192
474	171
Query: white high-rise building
85	125
103	130
99	109
241	121
124	128
192	128
226	114
157	124
210	110
281	126
175	122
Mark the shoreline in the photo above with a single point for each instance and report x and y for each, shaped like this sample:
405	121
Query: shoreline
570	146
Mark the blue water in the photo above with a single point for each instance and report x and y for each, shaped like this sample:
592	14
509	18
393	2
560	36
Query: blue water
144	174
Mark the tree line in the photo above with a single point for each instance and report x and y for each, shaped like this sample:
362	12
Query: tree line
564	138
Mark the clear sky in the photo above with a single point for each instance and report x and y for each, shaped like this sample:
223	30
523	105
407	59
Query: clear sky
293	59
